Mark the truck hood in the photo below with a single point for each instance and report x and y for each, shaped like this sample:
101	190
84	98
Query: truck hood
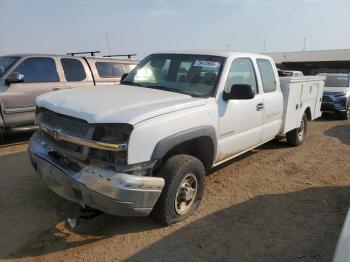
336	89
116	104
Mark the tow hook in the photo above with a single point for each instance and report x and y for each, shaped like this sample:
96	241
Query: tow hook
73	219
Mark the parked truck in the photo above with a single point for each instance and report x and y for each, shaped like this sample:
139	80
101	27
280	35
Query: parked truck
24	77
145	146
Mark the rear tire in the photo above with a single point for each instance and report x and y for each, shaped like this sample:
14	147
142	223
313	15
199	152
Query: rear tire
297	136
183	191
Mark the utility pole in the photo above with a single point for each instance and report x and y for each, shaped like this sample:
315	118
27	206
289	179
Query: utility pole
264	48
304	44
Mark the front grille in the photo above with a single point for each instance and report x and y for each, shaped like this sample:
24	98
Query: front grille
327	99
80	128
68	125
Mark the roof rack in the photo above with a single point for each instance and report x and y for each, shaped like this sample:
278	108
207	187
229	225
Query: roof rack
92	53
128	55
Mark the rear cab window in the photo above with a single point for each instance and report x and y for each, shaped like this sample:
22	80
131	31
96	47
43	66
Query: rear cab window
110	69
38	69
267	74
73	70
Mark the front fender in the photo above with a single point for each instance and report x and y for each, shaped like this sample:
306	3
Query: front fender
170	142
151	139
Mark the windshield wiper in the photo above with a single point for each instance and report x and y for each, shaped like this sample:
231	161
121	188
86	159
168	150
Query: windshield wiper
131	83
171	89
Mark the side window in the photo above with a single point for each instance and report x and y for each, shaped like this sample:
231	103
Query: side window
241	72
73	69
267	75
109	70
38	69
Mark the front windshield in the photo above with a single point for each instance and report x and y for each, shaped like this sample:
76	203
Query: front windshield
5	63
337	81
195	75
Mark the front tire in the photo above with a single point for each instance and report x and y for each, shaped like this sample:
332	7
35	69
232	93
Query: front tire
183	191
297	136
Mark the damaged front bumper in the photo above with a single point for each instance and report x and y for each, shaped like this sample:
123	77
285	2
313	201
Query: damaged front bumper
103	189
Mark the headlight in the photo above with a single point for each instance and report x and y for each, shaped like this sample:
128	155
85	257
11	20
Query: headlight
114	134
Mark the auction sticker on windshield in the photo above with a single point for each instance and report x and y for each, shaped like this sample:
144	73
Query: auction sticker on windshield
208	64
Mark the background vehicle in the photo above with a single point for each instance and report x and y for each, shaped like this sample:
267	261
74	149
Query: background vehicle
290	73
24	77
149	145
336	96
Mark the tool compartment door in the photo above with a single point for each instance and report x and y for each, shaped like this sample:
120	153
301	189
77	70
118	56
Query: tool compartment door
292	102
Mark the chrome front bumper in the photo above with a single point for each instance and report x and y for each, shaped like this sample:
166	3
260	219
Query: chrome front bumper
103	189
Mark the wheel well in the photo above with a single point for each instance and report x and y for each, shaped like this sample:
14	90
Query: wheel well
308	113
201	148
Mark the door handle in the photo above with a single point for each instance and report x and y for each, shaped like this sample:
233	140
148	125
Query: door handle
259	107
56	88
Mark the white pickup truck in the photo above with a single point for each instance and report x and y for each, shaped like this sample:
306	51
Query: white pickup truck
145	146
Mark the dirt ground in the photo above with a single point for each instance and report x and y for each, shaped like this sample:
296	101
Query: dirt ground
276	203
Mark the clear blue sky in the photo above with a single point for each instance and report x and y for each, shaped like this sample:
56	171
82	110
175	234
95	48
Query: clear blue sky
150	25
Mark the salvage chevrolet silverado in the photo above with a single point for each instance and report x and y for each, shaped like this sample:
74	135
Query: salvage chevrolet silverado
145	146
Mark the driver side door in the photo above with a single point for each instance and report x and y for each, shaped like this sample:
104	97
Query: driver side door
240	121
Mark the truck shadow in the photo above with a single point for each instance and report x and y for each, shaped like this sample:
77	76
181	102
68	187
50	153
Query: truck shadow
298	224
302	225
341	132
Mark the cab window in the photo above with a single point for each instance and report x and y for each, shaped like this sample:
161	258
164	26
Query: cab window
38	69
267	75
73	69
241	72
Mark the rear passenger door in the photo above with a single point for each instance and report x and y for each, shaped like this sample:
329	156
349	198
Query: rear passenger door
272	99
76	73
40	76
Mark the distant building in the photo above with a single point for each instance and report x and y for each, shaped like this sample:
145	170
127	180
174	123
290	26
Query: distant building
314	62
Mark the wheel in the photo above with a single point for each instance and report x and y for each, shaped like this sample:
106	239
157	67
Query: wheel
296	136
345	115
183	191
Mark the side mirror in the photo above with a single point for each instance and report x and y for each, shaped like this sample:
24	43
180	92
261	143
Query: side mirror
14	77
123	76
240	92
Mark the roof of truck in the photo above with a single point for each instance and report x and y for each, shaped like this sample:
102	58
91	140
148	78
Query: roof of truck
76	56
213	52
